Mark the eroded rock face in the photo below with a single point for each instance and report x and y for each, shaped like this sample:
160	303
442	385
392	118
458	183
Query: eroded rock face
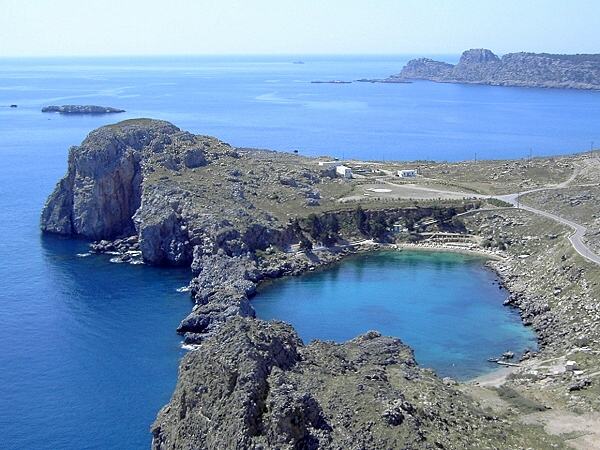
107	182
102	189
254	385
481	66
425	68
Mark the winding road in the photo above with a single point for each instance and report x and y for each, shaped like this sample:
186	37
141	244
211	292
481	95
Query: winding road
576	238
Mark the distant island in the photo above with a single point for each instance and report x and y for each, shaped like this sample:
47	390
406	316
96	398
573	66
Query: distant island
82	109
482	66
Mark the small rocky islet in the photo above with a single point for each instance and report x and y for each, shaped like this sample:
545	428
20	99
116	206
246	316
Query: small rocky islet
147	189
81	109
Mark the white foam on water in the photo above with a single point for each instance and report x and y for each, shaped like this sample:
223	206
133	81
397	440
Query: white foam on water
183	289
189	347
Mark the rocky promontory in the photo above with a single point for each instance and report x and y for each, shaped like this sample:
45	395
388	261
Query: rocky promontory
147	191
81	109
254	384
481	66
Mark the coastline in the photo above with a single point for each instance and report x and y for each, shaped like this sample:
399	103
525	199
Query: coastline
435	247
240	236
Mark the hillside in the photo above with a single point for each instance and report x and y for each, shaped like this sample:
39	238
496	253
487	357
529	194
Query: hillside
481	66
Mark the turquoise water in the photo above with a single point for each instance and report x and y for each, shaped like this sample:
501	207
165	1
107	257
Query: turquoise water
446	306
89	353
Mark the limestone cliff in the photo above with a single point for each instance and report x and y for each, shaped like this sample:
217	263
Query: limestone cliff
481	66
102	188
107	181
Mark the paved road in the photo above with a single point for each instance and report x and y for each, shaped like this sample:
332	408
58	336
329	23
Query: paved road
579	231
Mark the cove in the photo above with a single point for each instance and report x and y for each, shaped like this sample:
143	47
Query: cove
447	306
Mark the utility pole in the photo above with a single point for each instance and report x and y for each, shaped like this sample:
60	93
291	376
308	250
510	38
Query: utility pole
530	153
475	156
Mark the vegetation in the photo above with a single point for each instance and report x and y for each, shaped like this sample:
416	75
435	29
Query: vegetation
499	203
524	404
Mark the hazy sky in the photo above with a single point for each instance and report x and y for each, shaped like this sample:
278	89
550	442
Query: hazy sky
122	27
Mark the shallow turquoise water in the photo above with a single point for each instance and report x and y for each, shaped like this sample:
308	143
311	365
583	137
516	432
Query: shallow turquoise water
446	306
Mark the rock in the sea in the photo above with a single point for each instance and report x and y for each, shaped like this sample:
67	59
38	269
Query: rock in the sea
82	109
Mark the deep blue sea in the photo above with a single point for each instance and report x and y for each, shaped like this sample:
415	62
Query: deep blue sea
88	348
446	306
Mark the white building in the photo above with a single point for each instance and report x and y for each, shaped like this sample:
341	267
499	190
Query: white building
343	171
399	228
329	163
407	173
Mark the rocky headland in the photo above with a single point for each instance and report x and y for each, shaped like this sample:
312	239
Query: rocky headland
254	384
145	190
81	109
481	66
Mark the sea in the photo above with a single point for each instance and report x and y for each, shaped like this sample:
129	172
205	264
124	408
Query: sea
89	352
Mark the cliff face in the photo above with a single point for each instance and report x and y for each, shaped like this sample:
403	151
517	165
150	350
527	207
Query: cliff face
107	183
255	385
102	188
481	66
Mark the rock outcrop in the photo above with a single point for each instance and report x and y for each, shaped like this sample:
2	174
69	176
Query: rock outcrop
102	189
481	66
81	109
255	385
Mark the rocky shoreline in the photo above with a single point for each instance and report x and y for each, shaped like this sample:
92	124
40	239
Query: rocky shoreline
146	191
481	66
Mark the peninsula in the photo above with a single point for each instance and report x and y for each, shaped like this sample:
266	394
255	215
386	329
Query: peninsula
82	109
481	66
146	190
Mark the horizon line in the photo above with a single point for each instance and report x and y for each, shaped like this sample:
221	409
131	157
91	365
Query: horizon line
265	54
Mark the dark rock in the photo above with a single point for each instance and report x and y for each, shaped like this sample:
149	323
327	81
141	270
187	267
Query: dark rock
253	384
580	384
